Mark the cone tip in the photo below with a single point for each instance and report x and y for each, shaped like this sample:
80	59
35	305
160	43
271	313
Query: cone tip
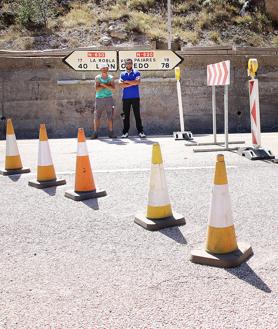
220	158
156	154
81	135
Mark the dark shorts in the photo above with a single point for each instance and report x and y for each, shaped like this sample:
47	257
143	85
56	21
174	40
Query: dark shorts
104	105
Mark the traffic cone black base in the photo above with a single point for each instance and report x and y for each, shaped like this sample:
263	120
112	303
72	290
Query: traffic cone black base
10	172
79	196
158	224
46	184
232	259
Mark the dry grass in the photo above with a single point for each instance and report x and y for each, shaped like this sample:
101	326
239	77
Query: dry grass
188	37
275	41
149	24
215	37
143	5
79	15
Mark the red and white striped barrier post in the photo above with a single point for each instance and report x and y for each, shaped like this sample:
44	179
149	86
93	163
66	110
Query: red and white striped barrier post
218	74
255	112
256	152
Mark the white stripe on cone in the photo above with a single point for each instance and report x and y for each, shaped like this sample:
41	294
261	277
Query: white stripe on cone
158	193
44	158
11	146
82	149
220	214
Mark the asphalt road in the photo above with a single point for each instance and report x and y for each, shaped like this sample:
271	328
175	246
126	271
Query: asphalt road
67	264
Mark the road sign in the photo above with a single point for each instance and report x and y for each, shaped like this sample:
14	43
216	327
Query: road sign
218	74
89	60
150	60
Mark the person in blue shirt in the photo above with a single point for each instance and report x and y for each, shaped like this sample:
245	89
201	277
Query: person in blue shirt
129	82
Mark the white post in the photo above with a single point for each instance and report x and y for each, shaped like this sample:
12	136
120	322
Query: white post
180	105
169	11
226	117
214	115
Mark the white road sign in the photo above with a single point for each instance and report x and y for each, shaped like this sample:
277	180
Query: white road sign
89	60
150	60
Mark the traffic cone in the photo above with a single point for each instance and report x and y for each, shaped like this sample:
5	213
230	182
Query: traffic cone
46	176
159	211
84	181
222	249
13	164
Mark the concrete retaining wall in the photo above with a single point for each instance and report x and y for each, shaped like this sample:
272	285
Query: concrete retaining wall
29	94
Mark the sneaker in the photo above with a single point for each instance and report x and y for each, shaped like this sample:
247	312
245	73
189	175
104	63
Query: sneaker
142	135
124	135
94	136
111	134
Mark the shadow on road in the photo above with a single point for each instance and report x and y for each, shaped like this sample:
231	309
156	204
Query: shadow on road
14	178
51	191
175	234
245	273
142	141
116	141
91	203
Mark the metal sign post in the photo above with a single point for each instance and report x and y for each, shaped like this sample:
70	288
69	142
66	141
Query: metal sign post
181	135
219	75
256	152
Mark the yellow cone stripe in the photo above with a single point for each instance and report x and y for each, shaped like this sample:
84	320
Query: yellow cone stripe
220	214
82	149
156	154
13	162
221	240
220	176
43	133
10	128
158	193
11	146
44	158
45	173
159	212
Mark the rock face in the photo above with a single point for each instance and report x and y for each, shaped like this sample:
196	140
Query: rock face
272	9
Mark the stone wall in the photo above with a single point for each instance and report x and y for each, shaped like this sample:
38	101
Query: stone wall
30	94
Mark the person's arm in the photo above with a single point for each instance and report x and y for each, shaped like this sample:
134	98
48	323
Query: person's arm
110	85
134	82
123	84
98	85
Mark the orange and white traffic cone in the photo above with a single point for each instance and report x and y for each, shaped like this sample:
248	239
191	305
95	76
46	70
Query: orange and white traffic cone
159	211
46	176
222	249
13	164
84	181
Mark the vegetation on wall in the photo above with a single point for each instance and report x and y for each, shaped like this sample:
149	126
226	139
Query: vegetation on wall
26	24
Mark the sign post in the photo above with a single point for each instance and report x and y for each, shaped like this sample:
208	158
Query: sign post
256	152
218	74
181	135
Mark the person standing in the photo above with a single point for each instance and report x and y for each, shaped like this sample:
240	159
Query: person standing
105	86
129	82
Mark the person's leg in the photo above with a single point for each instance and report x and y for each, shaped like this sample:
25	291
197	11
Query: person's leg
97	116
136	111
110	115
126	111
